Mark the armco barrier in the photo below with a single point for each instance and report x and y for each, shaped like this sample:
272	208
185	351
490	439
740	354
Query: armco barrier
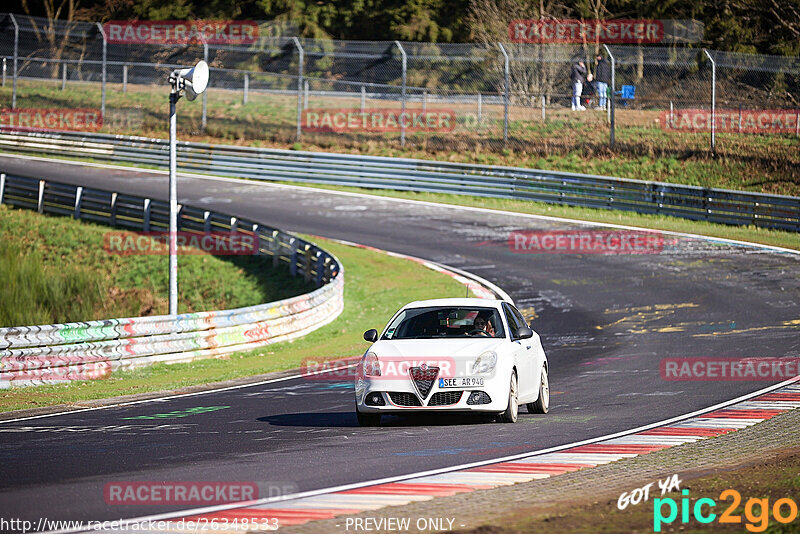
696	203
77	351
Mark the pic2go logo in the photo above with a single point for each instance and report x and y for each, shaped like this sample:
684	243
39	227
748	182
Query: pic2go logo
756	511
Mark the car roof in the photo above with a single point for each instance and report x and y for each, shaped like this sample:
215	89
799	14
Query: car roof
484	303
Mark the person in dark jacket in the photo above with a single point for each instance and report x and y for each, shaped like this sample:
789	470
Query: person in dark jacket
602	79
578	77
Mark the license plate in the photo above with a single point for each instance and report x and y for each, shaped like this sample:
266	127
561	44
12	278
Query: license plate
461	382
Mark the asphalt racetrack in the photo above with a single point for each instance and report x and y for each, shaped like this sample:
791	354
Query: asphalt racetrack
606	323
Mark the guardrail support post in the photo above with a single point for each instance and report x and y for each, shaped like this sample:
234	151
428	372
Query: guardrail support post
307	263
300	52
713	101
506	95
245	88
113	213
64	77
207	222
2	186
403	93
78	200
293	258
611	101
234	224
40	203
204	120
124	78
16	56
320	268
146	215
105	54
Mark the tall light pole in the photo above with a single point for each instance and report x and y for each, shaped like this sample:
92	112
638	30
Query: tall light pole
192	81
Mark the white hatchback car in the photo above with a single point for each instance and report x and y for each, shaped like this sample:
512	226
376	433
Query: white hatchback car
453	355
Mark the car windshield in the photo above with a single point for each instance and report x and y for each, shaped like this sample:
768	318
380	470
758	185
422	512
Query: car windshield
445	322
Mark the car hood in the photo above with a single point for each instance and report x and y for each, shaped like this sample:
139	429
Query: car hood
433	348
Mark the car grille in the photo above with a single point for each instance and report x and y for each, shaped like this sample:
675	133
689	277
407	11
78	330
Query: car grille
404	399
445	398
423	379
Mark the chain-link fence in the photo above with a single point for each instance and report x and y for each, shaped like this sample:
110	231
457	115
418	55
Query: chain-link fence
448	97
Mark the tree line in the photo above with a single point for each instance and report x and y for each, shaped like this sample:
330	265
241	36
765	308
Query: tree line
751	26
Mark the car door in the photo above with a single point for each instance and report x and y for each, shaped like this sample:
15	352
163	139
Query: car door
519	350
525	356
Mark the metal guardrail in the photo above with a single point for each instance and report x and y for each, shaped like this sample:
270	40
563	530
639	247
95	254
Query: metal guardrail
93	349
571	189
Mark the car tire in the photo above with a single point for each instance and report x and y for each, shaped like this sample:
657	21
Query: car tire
368	419
542	404
512	411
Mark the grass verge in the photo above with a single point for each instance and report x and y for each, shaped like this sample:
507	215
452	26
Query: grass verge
371	296
55	270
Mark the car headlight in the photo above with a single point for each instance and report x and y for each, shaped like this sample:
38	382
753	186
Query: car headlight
485	363
372	367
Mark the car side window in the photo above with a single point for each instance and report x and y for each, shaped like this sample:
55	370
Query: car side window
520	318
513	324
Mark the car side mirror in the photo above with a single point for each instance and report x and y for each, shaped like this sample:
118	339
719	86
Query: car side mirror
523	332
371	335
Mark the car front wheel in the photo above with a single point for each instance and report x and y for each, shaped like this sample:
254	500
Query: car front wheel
542	404
512	411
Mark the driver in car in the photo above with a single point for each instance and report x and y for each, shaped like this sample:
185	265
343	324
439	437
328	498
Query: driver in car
482	326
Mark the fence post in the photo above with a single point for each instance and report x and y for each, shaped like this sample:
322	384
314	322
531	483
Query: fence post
2	186
424	101
124	78
16	55
506	97
713	101
246	87
740	118
4	71
305	94
612	100
403	95
544	111
363	99
204	120
480	108
105	54
63	76
300	51
671	115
